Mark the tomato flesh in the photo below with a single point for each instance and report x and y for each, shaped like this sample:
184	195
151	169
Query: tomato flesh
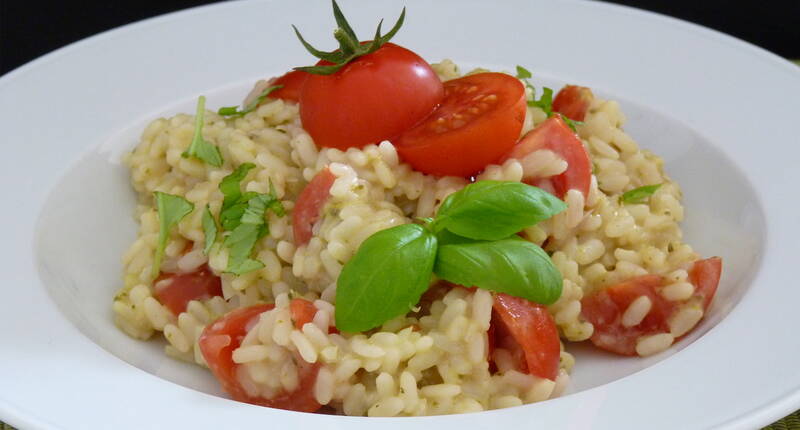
573	102
176	290
704	275
292	82
373	98
478	121
554	134
528	331
302	312
221	338
309	204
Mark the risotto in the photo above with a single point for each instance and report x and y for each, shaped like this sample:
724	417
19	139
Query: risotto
263	316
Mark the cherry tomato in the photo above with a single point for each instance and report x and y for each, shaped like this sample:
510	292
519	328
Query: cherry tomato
554	134
704	275
573	102
309	204
373	98
176	290
478	122
528	331
302	312
221	338
292	84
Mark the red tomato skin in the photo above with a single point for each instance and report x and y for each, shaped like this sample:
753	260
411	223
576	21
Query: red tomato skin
464	150
534	330
184	287
704	275
307	209
302	312
221	338
292	82
573	102
373	98
554	134
604	309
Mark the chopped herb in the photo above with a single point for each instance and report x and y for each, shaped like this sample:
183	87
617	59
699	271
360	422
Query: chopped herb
243	216
469	242
349	46
171	210
234	112
523	73
200	148
639	195
209	230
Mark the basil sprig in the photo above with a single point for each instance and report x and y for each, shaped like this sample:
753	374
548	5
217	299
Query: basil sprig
470	242
171	210
545	102
201	148
639	195
349	46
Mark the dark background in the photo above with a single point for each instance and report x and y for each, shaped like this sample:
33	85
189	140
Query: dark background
29	29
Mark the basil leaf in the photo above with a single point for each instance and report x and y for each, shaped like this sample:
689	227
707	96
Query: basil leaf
385	278
200	148
231	185
209	230
639	195
240	245
171	210
513	266
233	111
545	102
523	73
492	210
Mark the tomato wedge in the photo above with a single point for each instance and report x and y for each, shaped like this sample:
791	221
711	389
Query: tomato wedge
478	122
307	209
573	102
604	309
529	332
176	290
373	98
292	85
704	275
554	134
221	338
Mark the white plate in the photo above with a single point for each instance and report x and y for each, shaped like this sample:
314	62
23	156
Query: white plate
721	112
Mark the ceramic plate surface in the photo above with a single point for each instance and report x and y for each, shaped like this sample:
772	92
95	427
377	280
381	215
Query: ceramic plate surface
722	114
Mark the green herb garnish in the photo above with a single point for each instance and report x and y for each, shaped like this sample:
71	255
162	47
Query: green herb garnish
349	46
639	195
545	102
209	230
243	216
171	210
234	112
385	278
201	148
469	242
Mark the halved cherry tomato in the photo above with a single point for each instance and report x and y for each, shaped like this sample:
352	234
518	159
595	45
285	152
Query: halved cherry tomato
292	84
528	331
309	204
176	290
704	275
373	98
573	102
554	134
302	311
478	121
221	338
